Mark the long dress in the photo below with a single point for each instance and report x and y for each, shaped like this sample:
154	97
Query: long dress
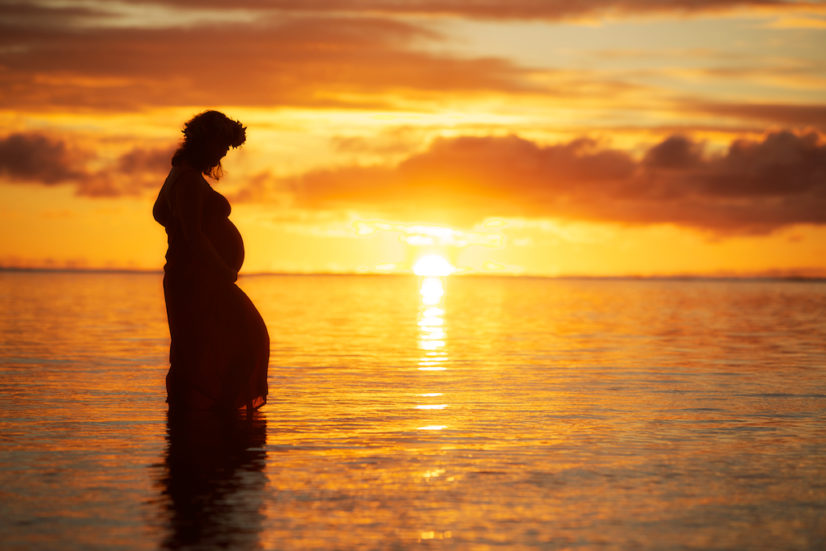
220	347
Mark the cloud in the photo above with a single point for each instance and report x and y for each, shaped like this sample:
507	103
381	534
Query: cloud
331	55
800	115
752	187
32	14
133	173
259	188
552	10
299	61
40	159
141	160
37	158
675	152
797	23
387	143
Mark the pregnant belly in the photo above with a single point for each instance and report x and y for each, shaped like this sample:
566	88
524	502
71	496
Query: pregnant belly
227	241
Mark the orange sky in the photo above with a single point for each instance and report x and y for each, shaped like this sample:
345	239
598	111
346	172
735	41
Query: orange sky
614	137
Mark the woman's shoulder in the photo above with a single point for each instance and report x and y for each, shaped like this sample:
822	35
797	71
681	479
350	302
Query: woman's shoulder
184	171
184	178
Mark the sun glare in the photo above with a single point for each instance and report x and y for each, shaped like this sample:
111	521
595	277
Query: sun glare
433	265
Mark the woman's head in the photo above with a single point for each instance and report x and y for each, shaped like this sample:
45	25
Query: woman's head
207	138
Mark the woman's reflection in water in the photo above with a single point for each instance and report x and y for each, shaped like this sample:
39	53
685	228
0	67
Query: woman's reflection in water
213	480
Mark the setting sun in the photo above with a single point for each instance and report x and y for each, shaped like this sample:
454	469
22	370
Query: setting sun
433	265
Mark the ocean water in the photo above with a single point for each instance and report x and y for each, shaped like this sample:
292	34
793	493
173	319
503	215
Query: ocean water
406	413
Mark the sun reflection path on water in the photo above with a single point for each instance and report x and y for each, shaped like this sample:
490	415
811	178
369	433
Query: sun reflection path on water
432	339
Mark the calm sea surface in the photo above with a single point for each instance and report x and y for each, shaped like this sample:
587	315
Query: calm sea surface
465	413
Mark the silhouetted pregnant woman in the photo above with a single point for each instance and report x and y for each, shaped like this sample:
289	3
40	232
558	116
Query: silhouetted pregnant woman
220	347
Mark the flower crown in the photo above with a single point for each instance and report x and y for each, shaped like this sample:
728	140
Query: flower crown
215	124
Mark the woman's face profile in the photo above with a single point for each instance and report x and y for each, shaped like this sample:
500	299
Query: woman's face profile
215	151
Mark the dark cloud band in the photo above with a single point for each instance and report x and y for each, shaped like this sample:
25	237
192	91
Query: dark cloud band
751	187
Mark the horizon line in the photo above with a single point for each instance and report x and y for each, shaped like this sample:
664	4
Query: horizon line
790	276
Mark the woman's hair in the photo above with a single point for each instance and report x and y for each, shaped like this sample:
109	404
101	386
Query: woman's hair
209	127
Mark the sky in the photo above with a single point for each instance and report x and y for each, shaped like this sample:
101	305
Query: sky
559	138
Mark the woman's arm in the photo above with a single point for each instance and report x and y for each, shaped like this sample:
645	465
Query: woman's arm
189	191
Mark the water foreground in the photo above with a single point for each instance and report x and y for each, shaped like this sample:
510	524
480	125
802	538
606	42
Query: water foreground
466	413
